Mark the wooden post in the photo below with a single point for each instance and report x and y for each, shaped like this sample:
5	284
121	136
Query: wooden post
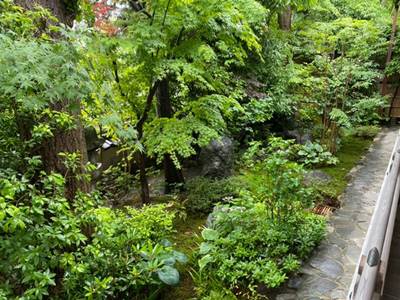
391	46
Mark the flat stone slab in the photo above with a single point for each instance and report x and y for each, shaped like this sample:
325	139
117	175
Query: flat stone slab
328	266
328	274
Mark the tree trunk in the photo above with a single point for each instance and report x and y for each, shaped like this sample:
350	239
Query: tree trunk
173	176
391	46
141	156
65	11
67	141
144	184
285	19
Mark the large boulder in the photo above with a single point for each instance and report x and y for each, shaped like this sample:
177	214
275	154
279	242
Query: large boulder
217	158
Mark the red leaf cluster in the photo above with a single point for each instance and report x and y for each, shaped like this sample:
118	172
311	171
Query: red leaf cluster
102	11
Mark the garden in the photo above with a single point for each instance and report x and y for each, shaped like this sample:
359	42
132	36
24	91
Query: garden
181	149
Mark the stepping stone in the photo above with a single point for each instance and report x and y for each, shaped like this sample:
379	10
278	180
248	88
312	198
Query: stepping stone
329	267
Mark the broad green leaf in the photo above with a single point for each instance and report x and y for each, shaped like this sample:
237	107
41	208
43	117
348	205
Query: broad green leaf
179	256
205	260
168	275
209	234
205	248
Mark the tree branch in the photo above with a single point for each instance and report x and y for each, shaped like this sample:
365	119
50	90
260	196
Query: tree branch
116	77
138	7
149	101
165	12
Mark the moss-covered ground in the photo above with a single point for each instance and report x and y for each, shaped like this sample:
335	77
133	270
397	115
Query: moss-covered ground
349	154
186	240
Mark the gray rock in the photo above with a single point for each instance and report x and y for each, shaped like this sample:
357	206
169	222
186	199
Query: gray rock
217	158
331	251
338	294
346	232
337	240
353	254
329	273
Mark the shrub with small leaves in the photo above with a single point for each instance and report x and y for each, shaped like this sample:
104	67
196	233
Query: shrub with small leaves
367	132
309	154
260	237
246	249
53	248
204	193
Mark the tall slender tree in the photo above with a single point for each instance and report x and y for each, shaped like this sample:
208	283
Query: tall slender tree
173	175
70	140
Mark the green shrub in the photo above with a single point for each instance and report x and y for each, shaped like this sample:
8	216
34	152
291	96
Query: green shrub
366	110
204	193
309	154
262	236
313	154
114	183
53	248
367	132
246	248
278	182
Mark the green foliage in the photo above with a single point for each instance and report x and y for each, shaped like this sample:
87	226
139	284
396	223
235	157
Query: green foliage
88	251
114	183
193	52
313	154
35	74
204	193
349	154
260	237
337	67
366	111
246	249
226	67
339	117
366	132
254	153
373	9
278	182
41	85
310	154
15	21
11	148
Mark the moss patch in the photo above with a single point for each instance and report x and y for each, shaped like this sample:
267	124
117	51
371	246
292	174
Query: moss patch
350	153
186	241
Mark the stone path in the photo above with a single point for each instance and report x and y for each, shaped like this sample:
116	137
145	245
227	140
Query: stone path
329	273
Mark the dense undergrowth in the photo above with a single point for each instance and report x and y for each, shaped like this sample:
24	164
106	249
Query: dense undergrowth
188	237
269	103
